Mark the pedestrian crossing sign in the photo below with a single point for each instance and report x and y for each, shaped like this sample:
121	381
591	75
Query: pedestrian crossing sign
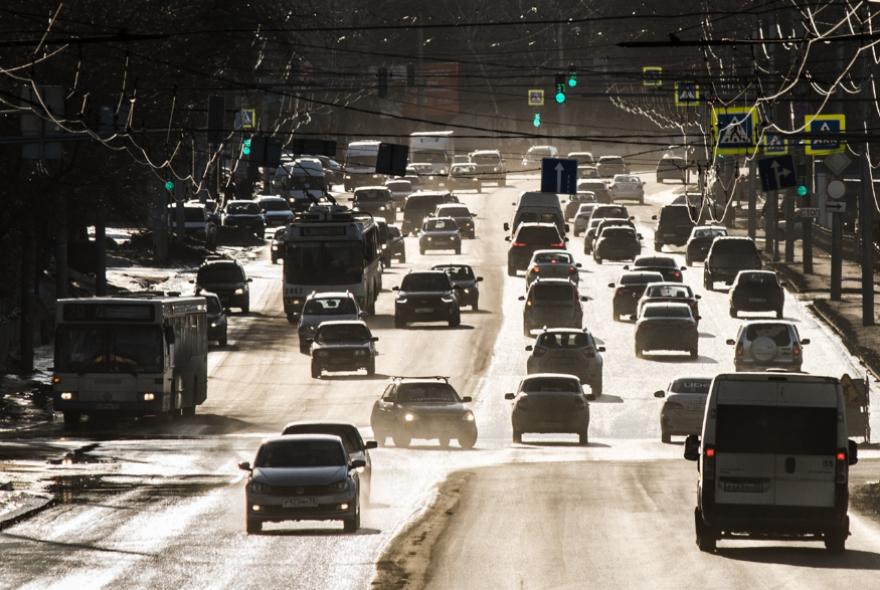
536	97
687	94
831	124
652	76
733	130
775	144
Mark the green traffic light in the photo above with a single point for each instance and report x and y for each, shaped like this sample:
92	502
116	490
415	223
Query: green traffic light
536	122
802	190
246	147
169	185
560	97
572	81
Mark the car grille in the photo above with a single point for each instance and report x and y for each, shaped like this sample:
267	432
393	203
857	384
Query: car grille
323	490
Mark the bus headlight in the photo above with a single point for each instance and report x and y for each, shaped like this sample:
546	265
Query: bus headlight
149	396
68	395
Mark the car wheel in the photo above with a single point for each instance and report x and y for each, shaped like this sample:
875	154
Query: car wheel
583	438
835	541
708	283
291	318
352	523
658	246
253	526
638	351
596	387
444	442
476	305
779	314
511	270
456	321
371	368
687	260
304	348
223	340
458	250
665	438
246	308
577	233
401	440
467	440
422	251
733	312
597	259
316	371
615	315
706	537
399	322
403	259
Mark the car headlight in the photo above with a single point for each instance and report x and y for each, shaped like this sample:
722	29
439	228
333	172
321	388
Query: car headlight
495	169
148	396
361	469
466	291
382	208
401	300
258	488
360	353
409	417
274	247
443	171
468	417
428	239
384	246
239	291
213	324
448	299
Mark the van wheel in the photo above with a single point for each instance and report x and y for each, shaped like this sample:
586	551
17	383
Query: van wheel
253	527
517	436
733	312
779	314
835	541
706	539
688	261
352	523
371	368
665	438
583	438
708	283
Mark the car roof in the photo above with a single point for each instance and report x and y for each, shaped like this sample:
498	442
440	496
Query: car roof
481	152
610	158
651	260
646	274
768	323
535	376
757	272
377	187
330	295
239	201
426	272
565	331
668	284
549	282
551	251
438	218
270	198
451	265
322	423
666	304
535	224
302	438
344	323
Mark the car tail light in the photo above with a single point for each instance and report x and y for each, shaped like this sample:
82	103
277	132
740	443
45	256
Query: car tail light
796	350
536	269
538	352
572	269
677	274
739	349
840	466
558	245
519	244
590	353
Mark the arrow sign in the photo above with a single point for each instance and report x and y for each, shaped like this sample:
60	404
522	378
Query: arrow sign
558	176
777	173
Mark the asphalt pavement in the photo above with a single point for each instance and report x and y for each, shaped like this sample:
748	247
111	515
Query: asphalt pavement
160	504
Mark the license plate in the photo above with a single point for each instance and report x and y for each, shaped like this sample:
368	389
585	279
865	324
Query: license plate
106	406
744	486
299	503
756	300
424	309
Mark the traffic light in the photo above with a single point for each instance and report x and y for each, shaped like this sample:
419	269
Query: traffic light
536	122
802	190
246	146
169	185
560	88
572	76
382	82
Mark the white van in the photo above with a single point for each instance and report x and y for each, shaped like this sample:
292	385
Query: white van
774	460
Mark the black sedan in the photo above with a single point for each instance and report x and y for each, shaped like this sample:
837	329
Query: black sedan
465	282
756	290
666	326
700	241
423	408
665	265
346	345
617	243
427	296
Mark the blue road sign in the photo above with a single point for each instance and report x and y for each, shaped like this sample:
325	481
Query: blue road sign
734	129
687	94
833	125
559	176
777	173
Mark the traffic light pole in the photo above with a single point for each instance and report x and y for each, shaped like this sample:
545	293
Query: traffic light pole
807	222
753	198
836	255
789	227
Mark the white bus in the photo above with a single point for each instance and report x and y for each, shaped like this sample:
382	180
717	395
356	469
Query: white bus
141	355
360	165
331	248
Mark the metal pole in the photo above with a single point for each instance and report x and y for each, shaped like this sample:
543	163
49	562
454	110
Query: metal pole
753	199
100	253
836	255
866	223
807	240
789	227
28	304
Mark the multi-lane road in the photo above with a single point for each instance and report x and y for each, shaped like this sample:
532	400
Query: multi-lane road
159	504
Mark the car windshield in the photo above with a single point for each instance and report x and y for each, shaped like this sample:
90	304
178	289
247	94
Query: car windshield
440	225
611	160
330	306
433	281
454	212
551	385
780	430
618	233
563	292
553	258
778	333
540	151
691	385
731	252
641	278
329	333
371	195
306	453
587	172
462	170
351	439
460	273
621	178
273	205
667	311
763	279
220	273
487	159
563	340
242	209
213	305
361	160
538	235
431	393
108	349
669	291
705	232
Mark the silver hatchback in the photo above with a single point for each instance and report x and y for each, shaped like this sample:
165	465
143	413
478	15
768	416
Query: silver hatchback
763	345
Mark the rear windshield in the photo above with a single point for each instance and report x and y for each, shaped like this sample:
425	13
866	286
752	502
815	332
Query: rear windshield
455	212
222	273
675	214
540	151
425	282
691	385
329	333
441	225
538	235
553	292
733	252
563	340
425	203
551	385
603	212
669	291
778	333
618	233
758	278
487	159
371	195
782	430
553	258
301	454
399	185
655	261
426	393
533	217
666	311
243	208
640	278
458	272
705	232
330	306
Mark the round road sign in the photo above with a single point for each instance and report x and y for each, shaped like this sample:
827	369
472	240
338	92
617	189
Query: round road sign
836	189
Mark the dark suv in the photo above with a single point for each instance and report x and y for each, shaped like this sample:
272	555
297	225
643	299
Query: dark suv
528	238
343	346
756	290
674	226
568	351
727	256
629	290
426	296
227	279
420	205
375	200
554	303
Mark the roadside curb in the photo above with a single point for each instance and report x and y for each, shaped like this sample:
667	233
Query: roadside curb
17	506
843	329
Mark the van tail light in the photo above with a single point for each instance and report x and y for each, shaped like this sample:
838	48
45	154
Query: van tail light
519	245
739	349
538	352
677	274
709	463
840	466
558	245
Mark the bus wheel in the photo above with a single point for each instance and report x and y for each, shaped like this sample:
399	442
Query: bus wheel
71	419
189	411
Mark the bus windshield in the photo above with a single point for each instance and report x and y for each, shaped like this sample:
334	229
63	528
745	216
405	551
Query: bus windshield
108	349
325	263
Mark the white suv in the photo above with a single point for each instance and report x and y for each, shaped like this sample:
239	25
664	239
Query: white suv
768	344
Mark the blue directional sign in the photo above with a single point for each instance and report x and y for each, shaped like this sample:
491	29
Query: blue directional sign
777	173
830	124
733	130
559	176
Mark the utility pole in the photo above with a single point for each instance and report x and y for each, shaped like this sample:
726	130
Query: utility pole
867	207
101	252
753	198
807	223
837	218
28	304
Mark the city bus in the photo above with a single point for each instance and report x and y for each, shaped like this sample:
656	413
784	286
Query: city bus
331	248
146	354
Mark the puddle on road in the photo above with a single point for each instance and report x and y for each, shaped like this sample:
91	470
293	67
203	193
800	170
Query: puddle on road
96	488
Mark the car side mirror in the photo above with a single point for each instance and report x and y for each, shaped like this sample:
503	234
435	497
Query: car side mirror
640	236
479	279
698	296
611	285
659	393
530	348
632	217
852	452
578	265
371	444
192	281
600	348
250	280
467	399
730	342
565	239
506	238
584	298
245	466
805	341
692	447
654	217
374	339
522	297
357	464
684	268
590	397
395	288
625	267
507	225
509	396
567	227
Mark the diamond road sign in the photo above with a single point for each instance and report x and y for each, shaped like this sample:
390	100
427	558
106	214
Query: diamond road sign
830	124
559	176
777	173
733	130
536	97
775	144
687	94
